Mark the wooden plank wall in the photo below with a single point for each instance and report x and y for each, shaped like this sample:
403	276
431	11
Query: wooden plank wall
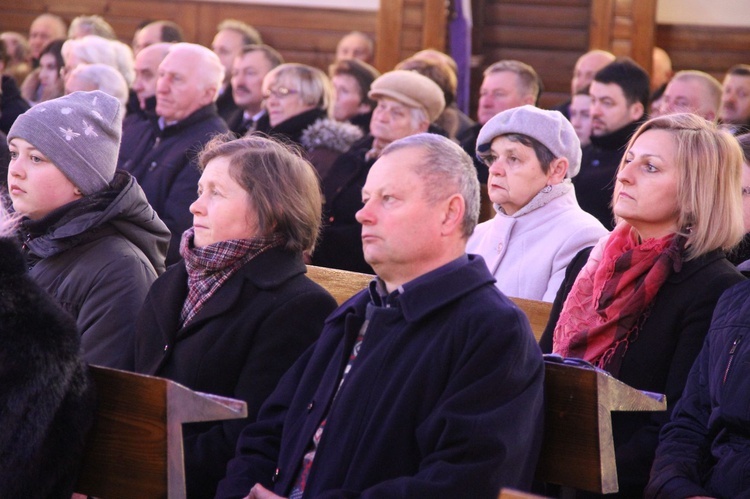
712	49
547	34
551	34
303	35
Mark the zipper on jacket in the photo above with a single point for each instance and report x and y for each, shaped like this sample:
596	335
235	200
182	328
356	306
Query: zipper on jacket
731	357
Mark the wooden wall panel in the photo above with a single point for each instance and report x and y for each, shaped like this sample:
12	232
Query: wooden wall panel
549	35
707	48
300	34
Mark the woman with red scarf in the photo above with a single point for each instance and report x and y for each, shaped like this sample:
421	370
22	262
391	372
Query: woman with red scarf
235	314
641	305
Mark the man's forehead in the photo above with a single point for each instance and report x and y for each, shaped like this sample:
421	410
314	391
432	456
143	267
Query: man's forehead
500	79
254	58
392	104
737	80
600	90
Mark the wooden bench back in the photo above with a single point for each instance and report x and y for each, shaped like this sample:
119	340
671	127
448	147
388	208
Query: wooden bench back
343	284
135	446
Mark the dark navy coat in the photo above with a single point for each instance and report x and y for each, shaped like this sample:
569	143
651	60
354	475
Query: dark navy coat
705	449
444	399
165	164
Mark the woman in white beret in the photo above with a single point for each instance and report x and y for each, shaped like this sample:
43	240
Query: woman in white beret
532	154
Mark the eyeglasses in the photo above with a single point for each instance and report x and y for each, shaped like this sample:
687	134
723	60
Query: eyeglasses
746	191
279	92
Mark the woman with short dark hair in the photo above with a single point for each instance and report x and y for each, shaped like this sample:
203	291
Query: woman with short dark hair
236	313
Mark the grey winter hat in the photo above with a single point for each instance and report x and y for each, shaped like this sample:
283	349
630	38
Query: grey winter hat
79	133
550	128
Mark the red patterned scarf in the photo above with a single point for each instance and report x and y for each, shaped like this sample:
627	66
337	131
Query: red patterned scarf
210	266
612	296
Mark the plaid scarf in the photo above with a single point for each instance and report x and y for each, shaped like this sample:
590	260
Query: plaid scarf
210	266
613	295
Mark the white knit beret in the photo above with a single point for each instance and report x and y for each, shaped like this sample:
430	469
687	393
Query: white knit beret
550	128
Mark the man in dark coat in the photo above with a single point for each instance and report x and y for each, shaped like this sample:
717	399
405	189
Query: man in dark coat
248	71
619	100
429	383
231	36
704	450
161	153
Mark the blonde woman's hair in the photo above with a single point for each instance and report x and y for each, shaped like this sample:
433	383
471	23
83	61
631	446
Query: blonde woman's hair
313	85
709	189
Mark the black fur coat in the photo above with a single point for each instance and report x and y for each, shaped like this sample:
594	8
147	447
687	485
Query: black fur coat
46	396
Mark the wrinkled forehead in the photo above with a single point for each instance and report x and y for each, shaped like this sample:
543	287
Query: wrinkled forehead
737	81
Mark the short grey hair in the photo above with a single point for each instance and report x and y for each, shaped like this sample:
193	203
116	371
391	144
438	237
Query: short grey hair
446	170
92	25
530	83
711	85
418	116
104	78
250	35
212	71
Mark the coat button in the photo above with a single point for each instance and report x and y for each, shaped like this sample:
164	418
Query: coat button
499	247
166	347
310	406
275	477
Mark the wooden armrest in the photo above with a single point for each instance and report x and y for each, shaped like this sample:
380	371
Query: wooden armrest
578	450
135	446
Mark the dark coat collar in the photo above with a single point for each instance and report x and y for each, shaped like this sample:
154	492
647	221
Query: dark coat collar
199	115
293	127
616	140
430	294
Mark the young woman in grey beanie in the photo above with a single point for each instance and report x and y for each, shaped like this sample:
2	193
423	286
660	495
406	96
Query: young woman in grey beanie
90	237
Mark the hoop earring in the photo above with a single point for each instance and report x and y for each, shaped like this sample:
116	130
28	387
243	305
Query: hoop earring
547	188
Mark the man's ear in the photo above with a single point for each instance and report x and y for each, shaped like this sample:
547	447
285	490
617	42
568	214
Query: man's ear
636	111
453	214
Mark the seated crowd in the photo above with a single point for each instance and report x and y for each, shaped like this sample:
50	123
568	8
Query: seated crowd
160	203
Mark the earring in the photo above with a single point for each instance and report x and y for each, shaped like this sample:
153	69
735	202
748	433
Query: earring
547	188
77	192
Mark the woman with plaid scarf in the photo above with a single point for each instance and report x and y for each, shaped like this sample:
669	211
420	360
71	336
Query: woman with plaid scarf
236	313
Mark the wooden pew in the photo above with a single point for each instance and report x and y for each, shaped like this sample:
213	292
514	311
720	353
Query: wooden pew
342	284
135	446
578	450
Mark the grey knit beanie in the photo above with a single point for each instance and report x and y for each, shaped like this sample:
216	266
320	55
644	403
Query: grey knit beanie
550	128
79	133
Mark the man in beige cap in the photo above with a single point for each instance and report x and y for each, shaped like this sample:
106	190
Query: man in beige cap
407	103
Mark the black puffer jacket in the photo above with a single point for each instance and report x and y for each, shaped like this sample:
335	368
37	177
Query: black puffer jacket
705	449
46	398
98	257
